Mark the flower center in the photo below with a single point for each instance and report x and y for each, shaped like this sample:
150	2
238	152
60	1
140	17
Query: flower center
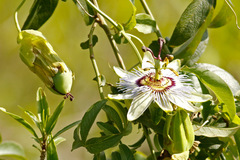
163	84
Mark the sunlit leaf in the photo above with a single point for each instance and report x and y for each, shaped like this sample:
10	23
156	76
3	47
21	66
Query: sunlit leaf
131	23
40	12
145	23
89	117
218	86
22	121
53	119
125	152
193	18
99	144
237	139
59	140
223	17
113	115
87	19
12	149
210	131
52	151
42	105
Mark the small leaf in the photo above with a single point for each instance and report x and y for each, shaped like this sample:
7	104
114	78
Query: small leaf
42	105
99	156
53	119
191	20
131	23
223	17
96	145
85	45
12	149
209	131
67	128
76	136
113	115
59	140
34	119
89	117
52	151
138	143
116	156
103	80
22	121
40	12
218	86
145	23
107	128
87	19
157	142
125	152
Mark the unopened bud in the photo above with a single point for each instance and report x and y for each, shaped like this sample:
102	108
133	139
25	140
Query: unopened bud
37	53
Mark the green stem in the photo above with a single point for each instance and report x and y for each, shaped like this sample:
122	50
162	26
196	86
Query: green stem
102	23
117	26
159	34
146	133
94	63
16	16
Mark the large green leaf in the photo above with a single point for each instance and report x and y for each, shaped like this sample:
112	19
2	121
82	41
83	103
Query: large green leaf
52	151
219	87
83	4
22	121
210	131
126	153
12	149
223	17
193	18
89	117
145	23
40	12
107	128
53	119
99	144
113	115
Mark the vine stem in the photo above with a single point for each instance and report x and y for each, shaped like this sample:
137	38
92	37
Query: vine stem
93	60
118	27
146	133
16	16
159	34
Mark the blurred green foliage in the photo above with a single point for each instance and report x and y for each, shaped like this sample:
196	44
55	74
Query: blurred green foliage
65	31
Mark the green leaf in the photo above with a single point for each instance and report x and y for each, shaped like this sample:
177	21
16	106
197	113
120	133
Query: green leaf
22	121
107	128
53	119
156	113
99	156
223	17
76	136
40	12
85	45
209	131
89	117
116	155
125	152
52	151
12	149
237	139
145	23
42	105
138	143
131	23
59	140
157	142
99	144
122	112
113	115
67	128
34	119
193	18
218	86
87	19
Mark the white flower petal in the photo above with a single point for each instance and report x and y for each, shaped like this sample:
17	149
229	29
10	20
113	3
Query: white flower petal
121	96
183	103
139	104
163	102
197	97
120	72
175	65
148	61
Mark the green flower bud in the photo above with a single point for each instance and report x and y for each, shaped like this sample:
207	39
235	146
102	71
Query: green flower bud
178	133
37	53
